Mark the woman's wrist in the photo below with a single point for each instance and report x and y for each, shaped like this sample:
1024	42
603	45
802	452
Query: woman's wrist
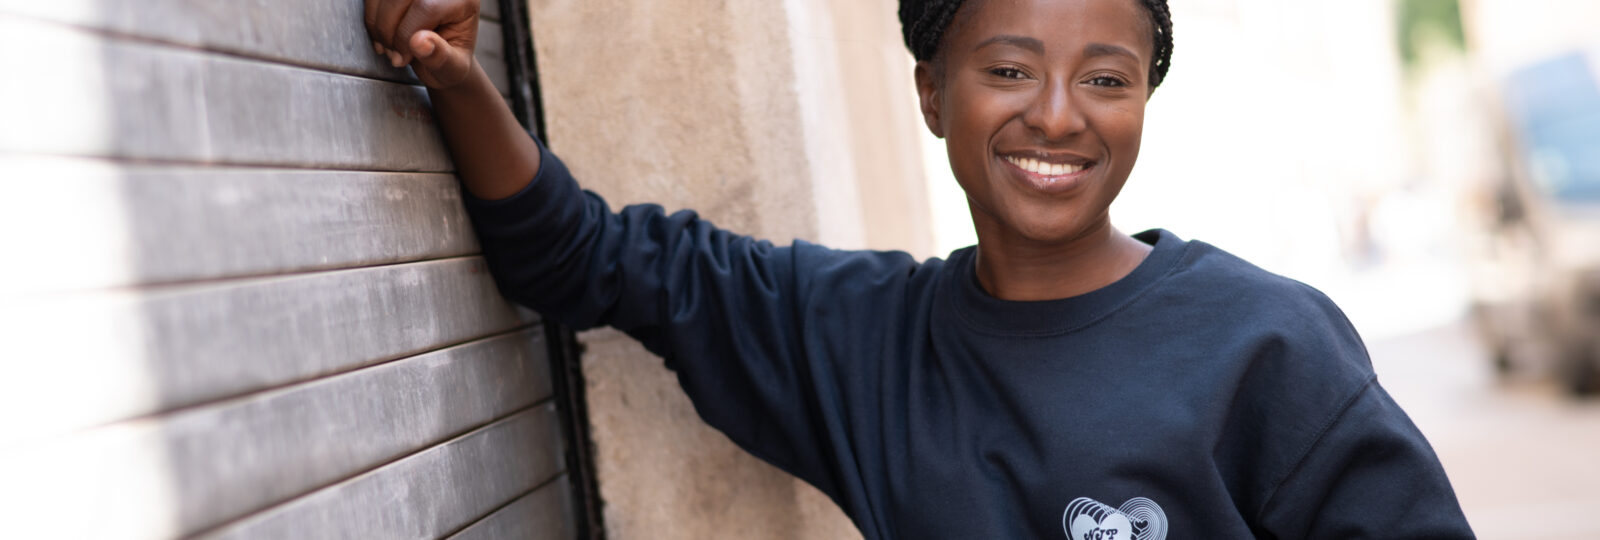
494	156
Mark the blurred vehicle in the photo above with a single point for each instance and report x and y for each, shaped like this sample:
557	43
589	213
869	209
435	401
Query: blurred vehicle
1538	292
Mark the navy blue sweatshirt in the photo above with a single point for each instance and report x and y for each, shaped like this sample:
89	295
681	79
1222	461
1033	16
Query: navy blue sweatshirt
1198	397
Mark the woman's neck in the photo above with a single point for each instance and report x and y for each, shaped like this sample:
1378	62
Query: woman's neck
1013	268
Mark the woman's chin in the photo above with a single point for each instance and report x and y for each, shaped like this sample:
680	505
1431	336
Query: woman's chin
1025	221
1050	231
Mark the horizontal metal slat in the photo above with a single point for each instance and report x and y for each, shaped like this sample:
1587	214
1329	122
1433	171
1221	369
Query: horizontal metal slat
103	224
180	473
545	514
93	96
425	495
91	358
319	34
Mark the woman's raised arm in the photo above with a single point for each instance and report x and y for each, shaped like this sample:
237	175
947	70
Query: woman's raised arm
494	156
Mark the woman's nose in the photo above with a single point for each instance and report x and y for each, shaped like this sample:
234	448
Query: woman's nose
1054	114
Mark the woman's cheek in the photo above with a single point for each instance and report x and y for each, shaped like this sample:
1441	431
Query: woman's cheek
1124	123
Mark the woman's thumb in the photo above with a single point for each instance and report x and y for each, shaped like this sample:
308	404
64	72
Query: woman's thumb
444	62
424	43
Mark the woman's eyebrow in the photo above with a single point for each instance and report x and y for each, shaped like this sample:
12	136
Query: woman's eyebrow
1015	41
1093	50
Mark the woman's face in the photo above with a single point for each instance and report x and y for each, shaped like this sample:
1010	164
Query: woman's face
1041	105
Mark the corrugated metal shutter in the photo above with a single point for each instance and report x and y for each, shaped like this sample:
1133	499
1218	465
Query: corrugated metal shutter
240	297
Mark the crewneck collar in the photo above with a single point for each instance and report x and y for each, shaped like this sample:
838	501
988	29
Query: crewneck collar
965	298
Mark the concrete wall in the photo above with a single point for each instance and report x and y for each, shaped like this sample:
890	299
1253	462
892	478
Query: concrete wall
240	296
778	119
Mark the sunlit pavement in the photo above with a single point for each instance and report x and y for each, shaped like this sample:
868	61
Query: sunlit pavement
1524	458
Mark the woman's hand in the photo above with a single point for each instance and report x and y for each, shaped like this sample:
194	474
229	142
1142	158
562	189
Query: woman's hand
435	36
494	155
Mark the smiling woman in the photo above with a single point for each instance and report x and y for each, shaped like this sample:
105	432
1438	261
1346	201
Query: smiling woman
1041	106
1058	378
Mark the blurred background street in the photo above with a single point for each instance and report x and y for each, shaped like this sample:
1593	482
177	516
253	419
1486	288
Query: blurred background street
1524	457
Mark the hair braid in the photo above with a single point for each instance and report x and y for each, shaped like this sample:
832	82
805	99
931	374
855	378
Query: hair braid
1161	26
924	22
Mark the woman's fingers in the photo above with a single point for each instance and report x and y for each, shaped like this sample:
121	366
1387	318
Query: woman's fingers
440	31
384	24
456	21
423	15
370	17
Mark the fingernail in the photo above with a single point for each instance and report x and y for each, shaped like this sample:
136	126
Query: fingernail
395	59
377	48
426	48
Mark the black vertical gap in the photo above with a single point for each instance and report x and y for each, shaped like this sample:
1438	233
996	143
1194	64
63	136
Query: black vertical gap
566	367
519	56
567	379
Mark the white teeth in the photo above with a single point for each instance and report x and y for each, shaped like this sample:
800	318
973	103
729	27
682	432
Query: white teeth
1043	168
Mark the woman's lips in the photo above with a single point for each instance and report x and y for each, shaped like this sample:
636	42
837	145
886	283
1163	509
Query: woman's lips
1049	177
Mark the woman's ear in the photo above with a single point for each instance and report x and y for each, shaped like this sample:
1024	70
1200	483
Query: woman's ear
928	86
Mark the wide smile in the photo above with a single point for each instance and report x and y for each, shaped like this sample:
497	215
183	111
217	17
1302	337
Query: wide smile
1050	174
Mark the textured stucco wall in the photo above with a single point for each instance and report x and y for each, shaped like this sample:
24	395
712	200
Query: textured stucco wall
881	123
741	111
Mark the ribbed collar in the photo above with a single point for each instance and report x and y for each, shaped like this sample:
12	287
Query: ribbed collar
964	298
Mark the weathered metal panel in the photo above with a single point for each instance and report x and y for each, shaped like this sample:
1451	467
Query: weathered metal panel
320	34
545	514
183	472
112	225
190	354
103	356
426	495
93	96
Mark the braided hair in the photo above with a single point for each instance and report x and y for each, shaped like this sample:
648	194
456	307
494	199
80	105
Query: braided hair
924	22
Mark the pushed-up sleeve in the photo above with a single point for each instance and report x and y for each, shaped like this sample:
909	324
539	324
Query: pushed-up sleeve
1371	474
720	308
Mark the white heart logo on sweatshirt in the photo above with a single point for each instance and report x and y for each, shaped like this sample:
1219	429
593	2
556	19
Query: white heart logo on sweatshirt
1137	519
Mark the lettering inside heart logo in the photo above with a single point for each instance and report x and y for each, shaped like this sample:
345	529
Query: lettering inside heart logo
1138	519
1113	527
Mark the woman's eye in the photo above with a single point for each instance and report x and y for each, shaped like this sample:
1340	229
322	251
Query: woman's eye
1107	81
1007	73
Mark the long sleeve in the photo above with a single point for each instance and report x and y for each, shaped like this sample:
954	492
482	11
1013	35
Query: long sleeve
719	307
1371	474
